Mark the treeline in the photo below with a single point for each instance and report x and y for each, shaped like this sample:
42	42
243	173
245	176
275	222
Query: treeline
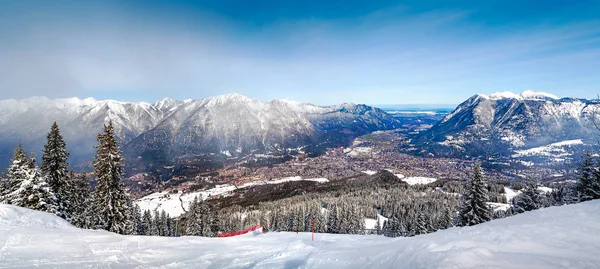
343	211
402	209
50	187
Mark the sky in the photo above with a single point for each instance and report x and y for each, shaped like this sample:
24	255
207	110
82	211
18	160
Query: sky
317	51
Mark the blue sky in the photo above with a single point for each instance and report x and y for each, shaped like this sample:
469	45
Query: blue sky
323	52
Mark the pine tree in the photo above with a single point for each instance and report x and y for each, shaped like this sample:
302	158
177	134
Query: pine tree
192	223
169	226
27	187
586	187
420	224
474	208
155	229
530	199
15	176
333	219
146	223
79	197
54	168
164	230
595	187
110	197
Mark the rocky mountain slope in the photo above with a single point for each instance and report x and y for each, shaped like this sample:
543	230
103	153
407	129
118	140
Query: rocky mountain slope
504	124
230	124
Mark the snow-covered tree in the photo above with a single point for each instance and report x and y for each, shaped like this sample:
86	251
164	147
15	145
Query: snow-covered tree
136	214
420	226
54	168
26	185
192	226
79	197
589	180
155	229
112	203
146	223
474	208
530	199
15	174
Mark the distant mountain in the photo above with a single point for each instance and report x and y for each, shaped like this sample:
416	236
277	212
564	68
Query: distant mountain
504	124
236	125
231	124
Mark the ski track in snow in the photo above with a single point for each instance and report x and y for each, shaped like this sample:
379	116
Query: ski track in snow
556	237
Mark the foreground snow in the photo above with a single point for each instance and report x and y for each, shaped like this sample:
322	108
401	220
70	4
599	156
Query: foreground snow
558	237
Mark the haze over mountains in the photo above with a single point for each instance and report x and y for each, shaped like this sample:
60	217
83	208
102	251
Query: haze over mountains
230	124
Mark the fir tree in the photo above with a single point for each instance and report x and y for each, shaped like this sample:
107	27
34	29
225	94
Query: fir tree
138	229
79	197
110	197
420	225
530	199
27	187
192	225
155	229
15	176
474	207
586	184
54	168
164	229
146	223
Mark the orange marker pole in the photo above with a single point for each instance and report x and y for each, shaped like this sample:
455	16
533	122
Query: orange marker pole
313	229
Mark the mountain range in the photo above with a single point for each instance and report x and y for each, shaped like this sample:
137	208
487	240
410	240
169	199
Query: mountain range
231	124
506	124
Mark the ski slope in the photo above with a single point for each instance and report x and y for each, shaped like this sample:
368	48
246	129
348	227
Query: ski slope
557	237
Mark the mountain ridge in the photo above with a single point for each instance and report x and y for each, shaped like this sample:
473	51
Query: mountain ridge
198	123
501	123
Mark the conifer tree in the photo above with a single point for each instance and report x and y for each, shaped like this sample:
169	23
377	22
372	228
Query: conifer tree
420	224
530	199
169	226
15	174
27	187
192	225
164	229
155	229
585	186
146	223
137	220
54	168
110	197
474	208
79	197
589	180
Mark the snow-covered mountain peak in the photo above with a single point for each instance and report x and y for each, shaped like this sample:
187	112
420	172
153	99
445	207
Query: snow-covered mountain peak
526	95
231	97
167	104
504	95
529	95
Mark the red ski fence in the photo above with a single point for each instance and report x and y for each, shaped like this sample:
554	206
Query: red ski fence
236	233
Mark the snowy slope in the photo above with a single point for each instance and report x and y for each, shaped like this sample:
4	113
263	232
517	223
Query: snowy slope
175	204
556	150
557	237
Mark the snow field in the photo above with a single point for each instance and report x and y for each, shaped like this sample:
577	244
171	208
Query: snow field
418	180
551	150
556	237
175	204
